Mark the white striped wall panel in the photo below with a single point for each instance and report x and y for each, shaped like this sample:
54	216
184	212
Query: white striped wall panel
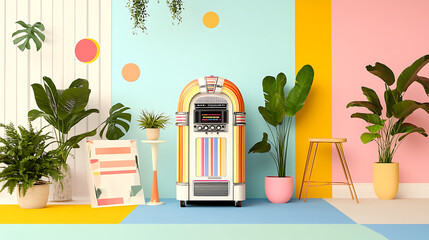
66	22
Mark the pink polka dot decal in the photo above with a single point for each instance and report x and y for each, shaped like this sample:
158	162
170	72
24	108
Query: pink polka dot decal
87	50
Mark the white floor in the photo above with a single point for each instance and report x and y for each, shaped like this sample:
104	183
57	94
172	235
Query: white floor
376	211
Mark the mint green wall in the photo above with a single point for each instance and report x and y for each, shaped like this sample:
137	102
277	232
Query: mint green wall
253	39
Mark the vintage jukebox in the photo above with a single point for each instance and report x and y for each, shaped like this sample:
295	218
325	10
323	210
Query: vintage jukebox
210	123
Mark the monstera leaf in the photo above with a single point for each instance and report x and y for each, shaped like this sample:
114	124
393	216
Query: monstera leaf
261	147
116	120
30	32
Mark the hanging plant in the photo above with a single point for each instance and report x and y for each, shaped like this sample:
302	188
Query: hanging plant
33	32
138	11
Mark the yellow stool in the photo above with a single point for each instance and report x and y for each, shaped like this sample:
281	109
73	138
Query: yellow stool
338	143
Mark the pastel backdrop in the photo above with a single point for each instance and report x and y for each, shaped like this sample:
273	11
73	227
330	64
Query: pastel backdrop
250	42
361	35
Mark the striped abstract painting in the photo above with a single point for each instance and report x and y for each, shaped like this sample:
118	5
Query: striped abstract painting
210	158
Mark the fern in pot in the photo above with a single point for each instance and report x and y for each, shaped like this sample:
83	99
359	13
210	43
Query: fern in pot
388	130
152	122
278	113
27	164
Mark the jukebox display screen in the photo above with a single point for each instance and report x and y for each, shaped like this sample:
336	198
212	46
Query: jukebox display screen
210	116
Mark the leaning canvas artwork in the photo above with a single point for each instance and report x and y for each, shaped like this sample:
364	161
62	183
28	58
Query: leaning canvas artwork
114	174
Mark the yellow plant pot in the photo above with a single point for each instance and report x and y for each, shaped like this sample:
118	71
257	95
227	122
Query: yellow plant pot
385	180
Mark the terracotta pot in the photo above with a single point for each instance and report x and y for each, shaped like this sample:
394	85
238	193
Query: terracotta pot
35	197
152	133
385	180
278	189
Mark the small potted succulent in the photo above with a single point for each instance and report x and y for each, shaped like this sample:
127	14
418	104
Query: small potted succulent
152	122
278	113
389	129
27	163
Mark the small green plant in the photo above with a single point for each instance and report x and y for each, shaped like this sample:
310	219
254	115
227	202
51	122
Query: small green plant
153	120
279	111
139	15
23	152
30	32
388	132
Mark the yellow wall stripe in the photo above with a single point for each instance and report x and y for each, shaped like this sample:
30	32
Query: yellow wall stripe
313	46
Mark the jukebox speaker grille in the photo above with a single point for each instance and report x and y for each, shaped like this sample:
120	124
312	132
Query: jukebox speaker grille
212	188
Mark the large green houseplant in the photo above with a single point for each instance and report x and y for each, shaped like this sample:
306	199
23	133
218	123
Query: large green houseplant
65	108
389	130
26	162
278	113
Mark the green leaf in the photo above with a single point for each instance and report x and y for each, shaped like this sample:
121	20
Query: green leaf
382	71
390	100
71	101
409	128
80	83
34	114
114	120
116	107
409	75
369	117
365	104
75	118
275	108
42	99
298	94
374	128
267	117
269	87
280	84
32	32
73	141
406	107
368	137
261	147
51	91
372	97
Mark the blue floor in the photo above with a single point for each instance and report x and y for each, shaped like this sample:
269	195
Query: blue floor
401	231
253	211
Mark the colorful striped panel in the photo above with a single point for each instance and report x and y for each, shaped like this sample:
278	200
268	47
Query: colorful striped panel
211	84
210	159
115	164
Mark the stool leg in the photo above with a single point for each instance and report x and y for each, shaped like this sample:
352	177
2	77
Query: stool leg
305	168
344	169
311	170
347	169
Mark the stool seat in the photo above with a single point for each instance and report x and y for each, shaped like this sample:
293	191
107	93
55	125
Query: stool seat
338	142
328	140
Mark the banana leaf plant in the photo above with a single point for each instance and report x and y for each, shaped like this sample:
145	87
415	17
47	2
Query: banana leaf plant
278	113
30	32
65	108
389	130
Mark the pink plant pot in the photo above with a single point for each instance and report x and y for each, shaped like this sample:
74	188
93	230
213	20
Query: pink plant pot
278	189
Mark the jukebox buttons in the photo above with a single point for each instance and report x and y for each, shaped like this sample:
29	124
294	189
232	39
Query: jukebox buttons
199	128
205	128
218	128
212	127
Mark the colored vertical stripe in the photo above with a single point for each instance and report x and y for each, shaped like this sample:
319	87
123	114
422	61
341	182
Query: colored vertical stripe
222	157
313	18
110	201
113	150
215	157
113	164
117	172
198	158
206	157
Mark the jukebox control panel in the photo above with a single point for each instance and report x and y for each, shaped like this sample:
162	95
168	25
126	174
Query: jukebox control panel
210	117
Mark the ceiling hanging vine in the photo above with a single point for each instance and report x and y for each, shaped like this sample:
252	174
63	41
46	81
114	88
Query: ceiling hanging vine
139	14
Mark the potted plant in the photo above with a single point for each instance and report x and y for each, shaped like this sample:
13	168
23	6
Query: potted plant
152	122
26	163
389	130
63	109
278	113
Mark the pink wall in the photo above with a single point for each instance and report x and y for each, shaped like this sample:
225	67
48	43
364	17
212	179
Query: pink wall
391	32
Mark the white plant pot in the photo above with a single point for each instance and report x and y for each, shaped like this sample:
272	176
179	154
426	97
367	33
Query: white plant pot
152	133
64	193
35	197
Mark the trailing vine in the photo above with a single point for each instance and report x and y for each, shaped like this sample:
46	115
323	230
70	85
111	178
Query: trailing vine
139	14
